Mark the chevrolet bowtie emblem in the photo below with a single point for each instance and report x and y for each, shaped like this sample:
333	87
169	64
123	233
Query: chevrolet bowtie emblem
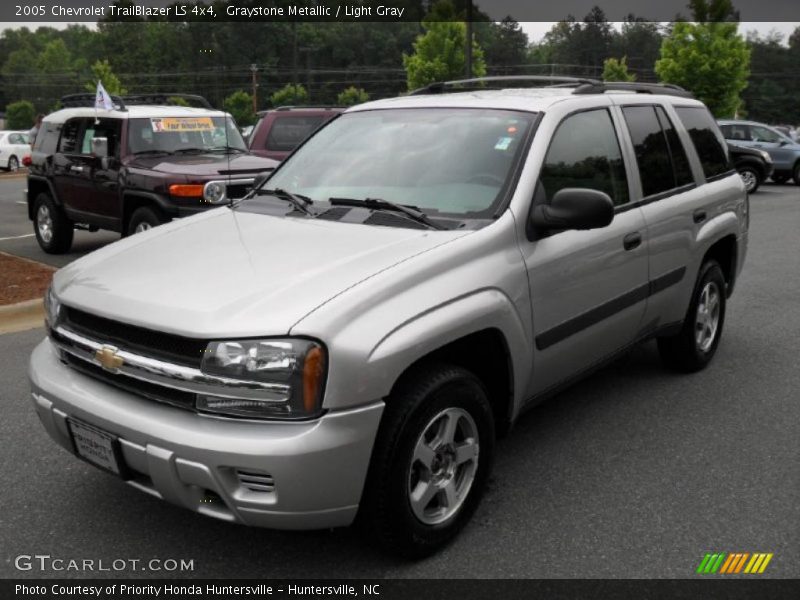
108	358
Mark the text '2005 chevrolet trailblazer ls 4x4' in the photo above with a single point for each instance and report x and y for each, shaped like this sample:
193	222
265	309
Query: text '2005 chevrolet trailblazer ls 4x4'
349	339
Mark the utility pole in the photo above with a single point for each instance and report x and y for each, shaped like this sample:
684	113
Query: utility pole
254	71
468	47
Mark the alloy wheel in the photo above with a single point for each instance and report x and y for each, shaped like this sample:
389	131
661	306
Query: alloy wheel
443	466
707	317
44	223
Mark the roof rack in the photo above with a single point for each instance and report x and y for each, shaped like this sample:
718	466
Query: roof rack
581	85
439	87
77	100
122	102
309	106
163	99
601	87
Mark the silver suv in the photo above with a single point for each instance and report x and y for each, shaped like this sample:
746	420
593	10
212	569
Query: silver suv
347	342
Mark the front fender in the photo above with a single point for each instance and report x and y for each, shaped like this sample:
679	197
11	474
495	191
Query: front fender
484	309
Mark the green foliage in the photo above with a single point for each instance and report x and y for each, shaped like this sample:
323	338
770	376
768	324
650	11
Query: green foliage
617	70
439	55
240	105
20	115
351	96
289	94
177	101
713	10
504	44
711	60
101	71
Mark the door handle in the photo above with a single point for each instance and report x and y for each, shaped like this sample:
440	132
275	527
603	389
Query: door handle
699	216
75	169
632	240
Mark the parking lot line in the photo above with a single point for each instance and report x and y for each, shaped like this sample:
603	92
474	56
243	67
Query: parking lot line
17	237
21	202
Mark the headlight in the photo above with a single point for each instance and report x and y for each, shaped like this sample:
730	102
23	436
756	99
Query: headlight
294	368
766	156
52	308
214	192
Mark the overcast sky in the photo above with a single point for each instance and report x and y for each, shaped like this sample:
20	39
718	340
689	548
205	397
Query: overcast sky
535	30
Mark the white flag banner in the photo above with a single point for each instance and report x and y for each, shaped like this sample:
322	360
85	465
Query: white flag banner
102	99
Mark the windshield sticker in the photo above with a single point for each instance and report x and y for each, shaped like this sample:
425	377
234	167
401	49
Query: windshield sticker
182	124
503	143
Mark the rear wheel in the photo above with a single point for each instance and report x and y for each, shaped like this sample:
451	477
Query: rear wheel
431	461
144	218
694	346
13	163
751	178
53	229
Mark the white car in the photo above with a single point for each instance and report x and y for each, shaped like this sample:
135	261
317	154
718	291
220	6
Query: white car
14	146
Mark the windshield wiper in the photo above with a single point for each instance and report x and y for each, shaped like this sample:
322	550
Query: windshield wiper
226	149
190	150
411	212
151	151
300	202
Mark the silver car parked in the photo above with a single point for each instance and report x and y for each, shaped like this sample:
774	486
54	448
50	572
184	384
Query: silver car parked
347	342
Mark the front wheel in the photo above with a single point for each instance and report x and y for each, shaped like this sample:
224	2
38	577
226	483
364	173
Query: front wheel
144	218
54	231
432	458
694	346
751	179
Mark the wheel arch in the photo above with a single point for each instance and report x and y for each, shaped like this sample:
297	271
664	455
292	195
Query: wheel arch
37	185
133	200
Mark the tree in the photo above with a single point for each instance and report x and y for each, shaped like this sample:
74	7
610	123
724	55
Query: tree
101	71
20	115
711	60
439	55
617	70
351	96
289	94
507	44
240	105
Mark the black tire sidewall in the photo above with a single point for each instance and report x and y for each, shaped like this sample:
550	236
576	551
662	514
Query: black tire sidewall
710	271
62	227
452	388
16	161
796	174
755	175
141	215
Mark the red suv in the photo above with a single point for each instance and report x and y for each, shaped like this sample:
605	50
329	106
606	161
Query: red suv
281	130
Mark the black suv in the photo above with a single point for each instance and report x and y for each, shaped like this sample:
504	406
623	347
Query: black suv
133	167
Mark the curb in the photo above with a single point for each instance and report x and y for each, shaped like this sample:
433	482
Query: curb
22	316
21	174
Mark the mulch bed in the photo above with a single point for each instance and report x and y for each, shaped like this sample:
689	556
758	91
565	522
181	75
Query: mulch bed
22	279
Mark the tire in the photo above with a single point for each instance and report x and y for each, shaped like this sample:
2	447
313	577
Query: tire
414	425
780	178
13	164
751	178
144	218
692	349
54	231
796	174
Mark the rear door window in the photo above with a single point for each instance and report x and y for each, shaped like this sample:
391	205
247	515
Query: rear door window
652	151
289	132
707	139
677	153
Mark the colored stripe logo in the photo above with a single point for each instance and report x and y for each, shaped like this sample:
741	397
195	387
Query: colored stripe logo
734	562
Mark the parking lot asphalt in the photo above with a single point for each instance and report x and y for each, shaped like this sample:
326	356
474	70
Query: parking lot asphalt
634	472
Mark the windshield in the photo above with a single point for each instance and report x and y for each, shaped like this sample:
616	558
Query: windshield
449	161
176	134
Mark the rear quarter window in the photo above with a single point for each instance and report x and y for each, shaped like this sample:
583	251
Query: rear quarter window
47	138
707	139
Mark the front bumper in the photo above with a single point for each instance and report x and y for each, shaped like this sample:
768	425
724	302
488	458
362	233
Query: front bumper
317	468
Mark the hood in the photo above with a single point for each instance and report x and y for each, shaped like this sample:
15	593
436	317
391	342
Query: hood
205	164
231	273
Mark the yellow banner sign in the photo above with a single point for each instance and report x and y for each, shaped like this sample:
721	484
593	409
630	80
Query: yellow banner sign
182	124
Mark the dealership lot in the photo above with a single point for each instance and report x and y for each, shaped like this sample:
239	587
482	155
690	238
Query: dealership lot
636	472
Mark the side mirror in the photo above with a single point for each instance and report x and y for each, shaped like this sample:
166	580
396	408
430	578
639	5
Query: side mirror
100	147
261	178
575	208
